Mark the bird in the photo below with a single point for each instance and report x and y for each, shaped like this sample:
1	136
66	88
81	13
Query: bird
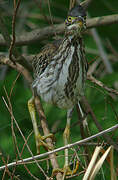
60	71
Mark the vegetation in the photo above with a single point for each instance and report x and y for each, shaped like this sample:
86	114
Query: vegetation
101	50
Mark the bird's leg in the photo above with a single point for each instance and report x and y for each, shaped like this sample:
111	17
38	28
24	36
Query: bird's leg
38	138
66	136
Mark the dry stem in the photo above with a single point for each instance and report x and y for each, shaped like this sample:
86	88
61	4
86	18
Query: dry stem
61	148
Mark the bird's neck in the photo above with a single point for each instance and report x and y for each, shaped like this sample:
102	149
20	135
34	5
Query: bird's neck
73	35
74	39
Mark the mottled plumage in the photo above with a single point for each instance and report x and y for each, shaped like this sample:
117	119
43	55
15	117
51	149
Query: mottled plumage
60	69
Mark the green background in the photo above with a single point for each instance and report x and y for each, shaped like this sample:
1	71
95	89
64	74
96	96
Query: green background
104	107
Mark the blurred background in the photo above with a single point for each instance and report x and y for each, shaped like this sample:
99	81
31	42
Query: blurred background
38	14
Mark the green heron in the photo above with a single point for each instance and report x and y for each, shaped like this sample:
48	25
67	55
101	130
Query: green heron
60	73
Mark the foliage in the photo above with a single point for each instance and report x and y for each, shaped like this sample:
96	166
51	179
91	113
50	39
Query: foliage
104	106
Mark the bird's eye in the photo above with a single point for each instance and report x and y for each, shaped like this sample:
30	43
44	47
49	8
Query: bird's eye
69	18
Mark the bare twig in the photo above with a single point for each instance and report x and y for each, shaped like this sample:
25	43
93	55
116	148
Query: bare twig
13	84
99	83
62	148
12	127
16	6
6	169
17	67
12	116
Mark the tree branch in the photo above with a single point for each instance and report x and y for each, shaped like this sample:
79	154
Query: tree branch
102	21
43	33
99	83
18	67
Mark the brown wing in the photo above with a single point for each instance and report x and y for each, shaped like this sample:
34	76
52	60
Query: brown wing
41	60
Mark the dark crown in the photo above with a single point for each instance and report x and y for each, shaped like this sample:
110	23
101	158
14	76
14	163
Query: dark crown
77	11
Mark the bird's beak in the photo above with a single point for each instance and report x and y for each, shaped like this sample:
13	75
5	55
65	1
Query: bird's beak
81	23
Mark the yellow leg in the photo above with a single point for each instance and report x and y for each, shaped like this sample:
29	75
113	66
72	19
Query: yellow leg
38	138
66	136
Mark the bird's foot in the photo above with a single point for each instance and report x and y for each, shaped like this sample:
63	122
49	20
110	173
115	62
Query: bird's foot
40	141
66	171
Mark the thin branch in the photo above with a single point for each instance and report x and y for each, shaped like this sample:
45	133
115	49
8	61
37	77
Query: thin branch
16	7
61	148
99	83
13	132
12	129
13	85
12	116
6	169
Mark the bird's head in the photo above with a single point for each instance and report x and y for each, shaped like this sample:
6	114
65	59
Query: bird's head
76	20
